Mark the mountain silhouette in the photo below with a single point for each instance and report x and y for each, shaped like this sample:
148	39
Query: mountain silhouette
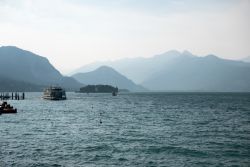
137	69
106	75
208	73
183	71
24	66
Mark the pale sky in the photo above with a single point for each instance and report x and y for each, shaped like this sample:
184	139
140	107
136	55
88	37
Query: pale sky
72	33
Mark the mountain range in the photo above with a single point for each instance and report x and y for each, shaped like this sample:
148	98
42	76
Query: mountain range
138	69
21	70
182	71
28	71
109	76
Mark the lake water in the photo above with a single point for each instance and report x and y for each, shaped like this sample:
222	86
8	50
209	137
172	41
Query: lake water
147	129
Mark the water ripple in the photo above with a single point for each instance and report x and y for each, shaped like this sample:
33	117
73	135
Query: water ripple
150	129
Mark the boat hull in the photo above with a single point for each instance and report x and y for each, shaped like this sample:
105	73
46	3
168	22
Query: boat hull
53	98
8	111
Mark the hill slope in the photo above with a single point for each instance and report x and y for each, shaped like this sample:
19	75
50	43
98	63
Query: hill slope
107	75
10	85
20	65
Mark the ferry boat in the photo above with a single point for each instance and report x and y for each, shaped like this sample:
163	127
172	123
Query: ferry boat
54	93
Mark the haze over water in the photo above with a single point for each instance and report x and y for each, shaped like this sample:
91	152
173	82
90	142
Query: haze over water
146	129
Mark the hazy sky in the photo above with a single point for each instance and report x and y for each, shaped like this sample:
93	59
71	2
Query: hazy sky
71	33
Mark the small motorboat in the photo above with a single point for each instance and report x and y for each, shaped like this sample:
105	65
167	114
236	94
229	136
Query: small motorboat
114	93
7	109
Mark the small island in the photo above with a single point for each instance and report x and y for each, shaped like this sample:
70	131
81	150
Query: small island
98	89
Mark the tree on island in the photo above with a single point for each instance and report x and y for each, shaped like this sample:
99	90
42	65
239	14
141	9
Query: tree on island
98	89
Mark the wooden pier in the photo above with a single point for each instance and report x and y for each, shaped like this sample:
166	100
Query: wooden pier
12	96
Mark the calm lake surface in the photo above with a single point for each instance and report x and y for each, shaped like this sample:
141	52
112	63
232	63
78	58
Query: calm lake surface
147	129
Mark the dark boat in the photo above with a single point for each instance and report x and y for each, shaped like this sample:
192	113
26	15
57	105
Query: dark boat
7	109
54	93
114	93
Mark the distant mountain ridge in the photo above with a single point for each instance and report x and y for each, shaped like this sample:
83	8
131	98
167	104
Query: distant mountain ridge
137	69
208	73
246	59
183	71
26	67
107	75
